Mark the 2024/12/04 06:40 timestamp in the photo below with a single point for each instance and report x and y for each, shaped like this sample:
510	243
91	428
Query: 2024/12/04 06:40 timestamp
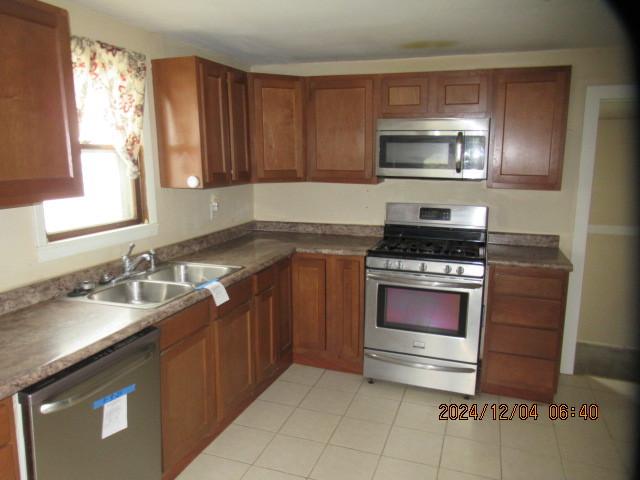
522	411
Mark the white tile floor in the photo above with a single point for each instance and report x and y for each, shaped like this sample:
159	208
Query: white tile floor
324	425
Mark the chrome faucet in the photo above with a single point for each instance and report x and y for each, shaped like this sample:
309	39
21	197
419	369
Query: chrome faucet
129	265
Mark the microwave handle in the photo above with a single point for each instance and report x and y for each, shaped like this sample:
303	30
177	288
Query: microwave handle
459	140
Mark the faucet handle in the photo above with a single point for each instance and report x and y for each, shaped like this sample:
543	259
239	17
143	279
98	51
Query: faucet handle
131	247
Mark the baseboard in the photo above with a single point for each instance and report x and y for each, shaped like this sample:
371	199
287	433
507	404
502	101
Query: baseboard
607	361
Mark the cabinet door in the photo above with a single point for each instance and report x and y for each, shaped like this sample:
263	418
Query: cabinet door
461	94
214	116
188	402
283	292
239	126
403	95
8	454
234	359
340	129
276	128
529	128
38	119
309	298
266	346
345	308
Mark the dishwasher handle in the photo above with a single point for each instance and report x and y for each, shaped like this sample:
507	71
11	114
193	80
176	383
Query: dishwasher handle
87	389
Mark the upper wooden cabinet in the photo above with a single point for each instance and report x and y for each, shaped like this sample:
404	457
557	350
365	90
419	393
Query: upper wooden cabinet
403	94
238	85
462	93
202	123
529	127
340	129
276	119
38	119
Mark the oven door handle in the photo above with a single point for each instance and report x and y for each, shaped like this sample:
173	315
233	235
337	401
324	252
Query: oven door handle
423	366
417	281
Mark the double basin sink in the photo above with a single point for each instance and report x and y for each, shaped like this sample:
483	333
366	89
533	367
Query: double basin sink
152	289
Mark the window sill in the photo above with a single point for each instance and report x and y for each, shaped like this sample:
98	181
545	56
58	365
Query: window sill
72	246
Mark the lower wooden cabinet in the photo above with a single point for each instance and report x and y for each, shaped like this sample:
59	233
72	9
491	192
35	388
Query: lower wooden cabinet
234	349
216	360
284	310
187	385
8	456
523	336
328	310
265	324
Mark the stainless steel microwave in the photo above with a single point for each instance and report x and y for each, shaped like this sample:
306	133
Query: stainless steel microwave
445	148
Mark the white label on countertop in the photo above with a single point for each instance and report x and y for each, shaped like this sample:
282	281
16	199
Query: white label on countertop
218	292
114	416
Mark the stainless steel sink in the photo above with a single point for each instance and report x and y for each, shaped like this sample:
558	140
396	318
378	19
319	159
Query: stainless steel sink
139	293
191	273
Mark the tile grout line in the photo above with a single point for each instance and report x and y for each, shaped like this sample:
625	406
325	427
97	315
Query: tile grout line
308	476
277	432
386	440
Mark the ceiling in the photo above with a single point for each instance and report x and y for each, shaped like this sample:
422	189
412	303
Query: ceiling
292	31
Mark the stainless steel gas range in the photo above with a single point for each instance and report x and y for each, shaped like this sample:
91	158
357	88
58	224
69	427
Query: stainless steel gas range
424	296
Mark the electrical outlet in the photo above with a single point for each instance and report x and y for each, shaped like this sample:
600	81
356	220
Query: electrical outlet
214	206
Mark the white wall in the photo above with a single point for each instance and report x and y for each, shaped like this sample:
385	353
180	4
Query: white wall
509	210
181	214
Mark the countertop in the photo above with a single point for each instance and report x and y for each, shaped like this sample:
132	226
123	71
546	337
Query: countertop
525	256
41	340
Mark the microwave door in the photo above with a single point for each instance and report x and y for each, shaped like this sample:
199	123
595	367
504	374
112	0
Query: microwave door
474	155
426	154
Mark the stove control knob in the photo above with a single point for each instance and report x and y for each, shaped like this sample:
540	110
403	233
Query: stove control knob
400	265
423	267
447	269
387	264
460	270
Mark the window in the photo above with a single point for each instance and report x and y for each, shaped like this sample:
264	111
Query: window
109	85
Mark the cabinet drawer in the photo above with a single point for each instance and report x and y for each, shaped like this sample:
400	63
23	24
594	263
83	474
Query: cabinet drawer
524	341
264	279
523	373
529	283
526	312
6	421
239	293
184	323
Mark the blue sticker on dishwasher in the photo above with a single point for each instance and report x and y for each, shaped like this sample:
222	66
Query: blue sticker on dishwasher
125	391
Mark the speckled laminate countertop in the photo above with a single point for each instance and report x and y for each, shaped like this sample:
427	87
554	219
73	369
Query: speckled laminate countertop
38	341
525	256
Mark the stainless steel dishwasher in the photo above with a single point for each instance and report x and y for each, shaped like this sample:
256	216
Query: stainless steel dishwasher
99	419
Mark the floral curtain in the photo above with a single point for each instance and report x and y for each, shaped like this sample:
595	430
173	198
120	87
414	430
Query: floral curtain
109	84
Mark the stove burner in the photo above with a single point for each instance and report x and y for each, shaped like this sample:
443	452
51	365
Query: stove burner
424	248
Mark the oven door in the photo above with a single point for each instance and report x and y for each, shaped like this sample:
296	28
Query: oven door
432	154
424	315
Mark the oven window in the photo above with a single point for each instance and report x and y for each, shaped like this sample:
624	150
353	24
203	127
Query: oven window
420	310
417	151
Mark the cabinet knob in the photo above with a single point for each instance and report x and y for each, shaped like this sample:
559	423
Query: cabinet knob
193	181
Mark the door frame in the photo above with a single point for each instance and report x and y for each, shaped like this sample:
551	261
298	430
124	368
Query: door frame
595	95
